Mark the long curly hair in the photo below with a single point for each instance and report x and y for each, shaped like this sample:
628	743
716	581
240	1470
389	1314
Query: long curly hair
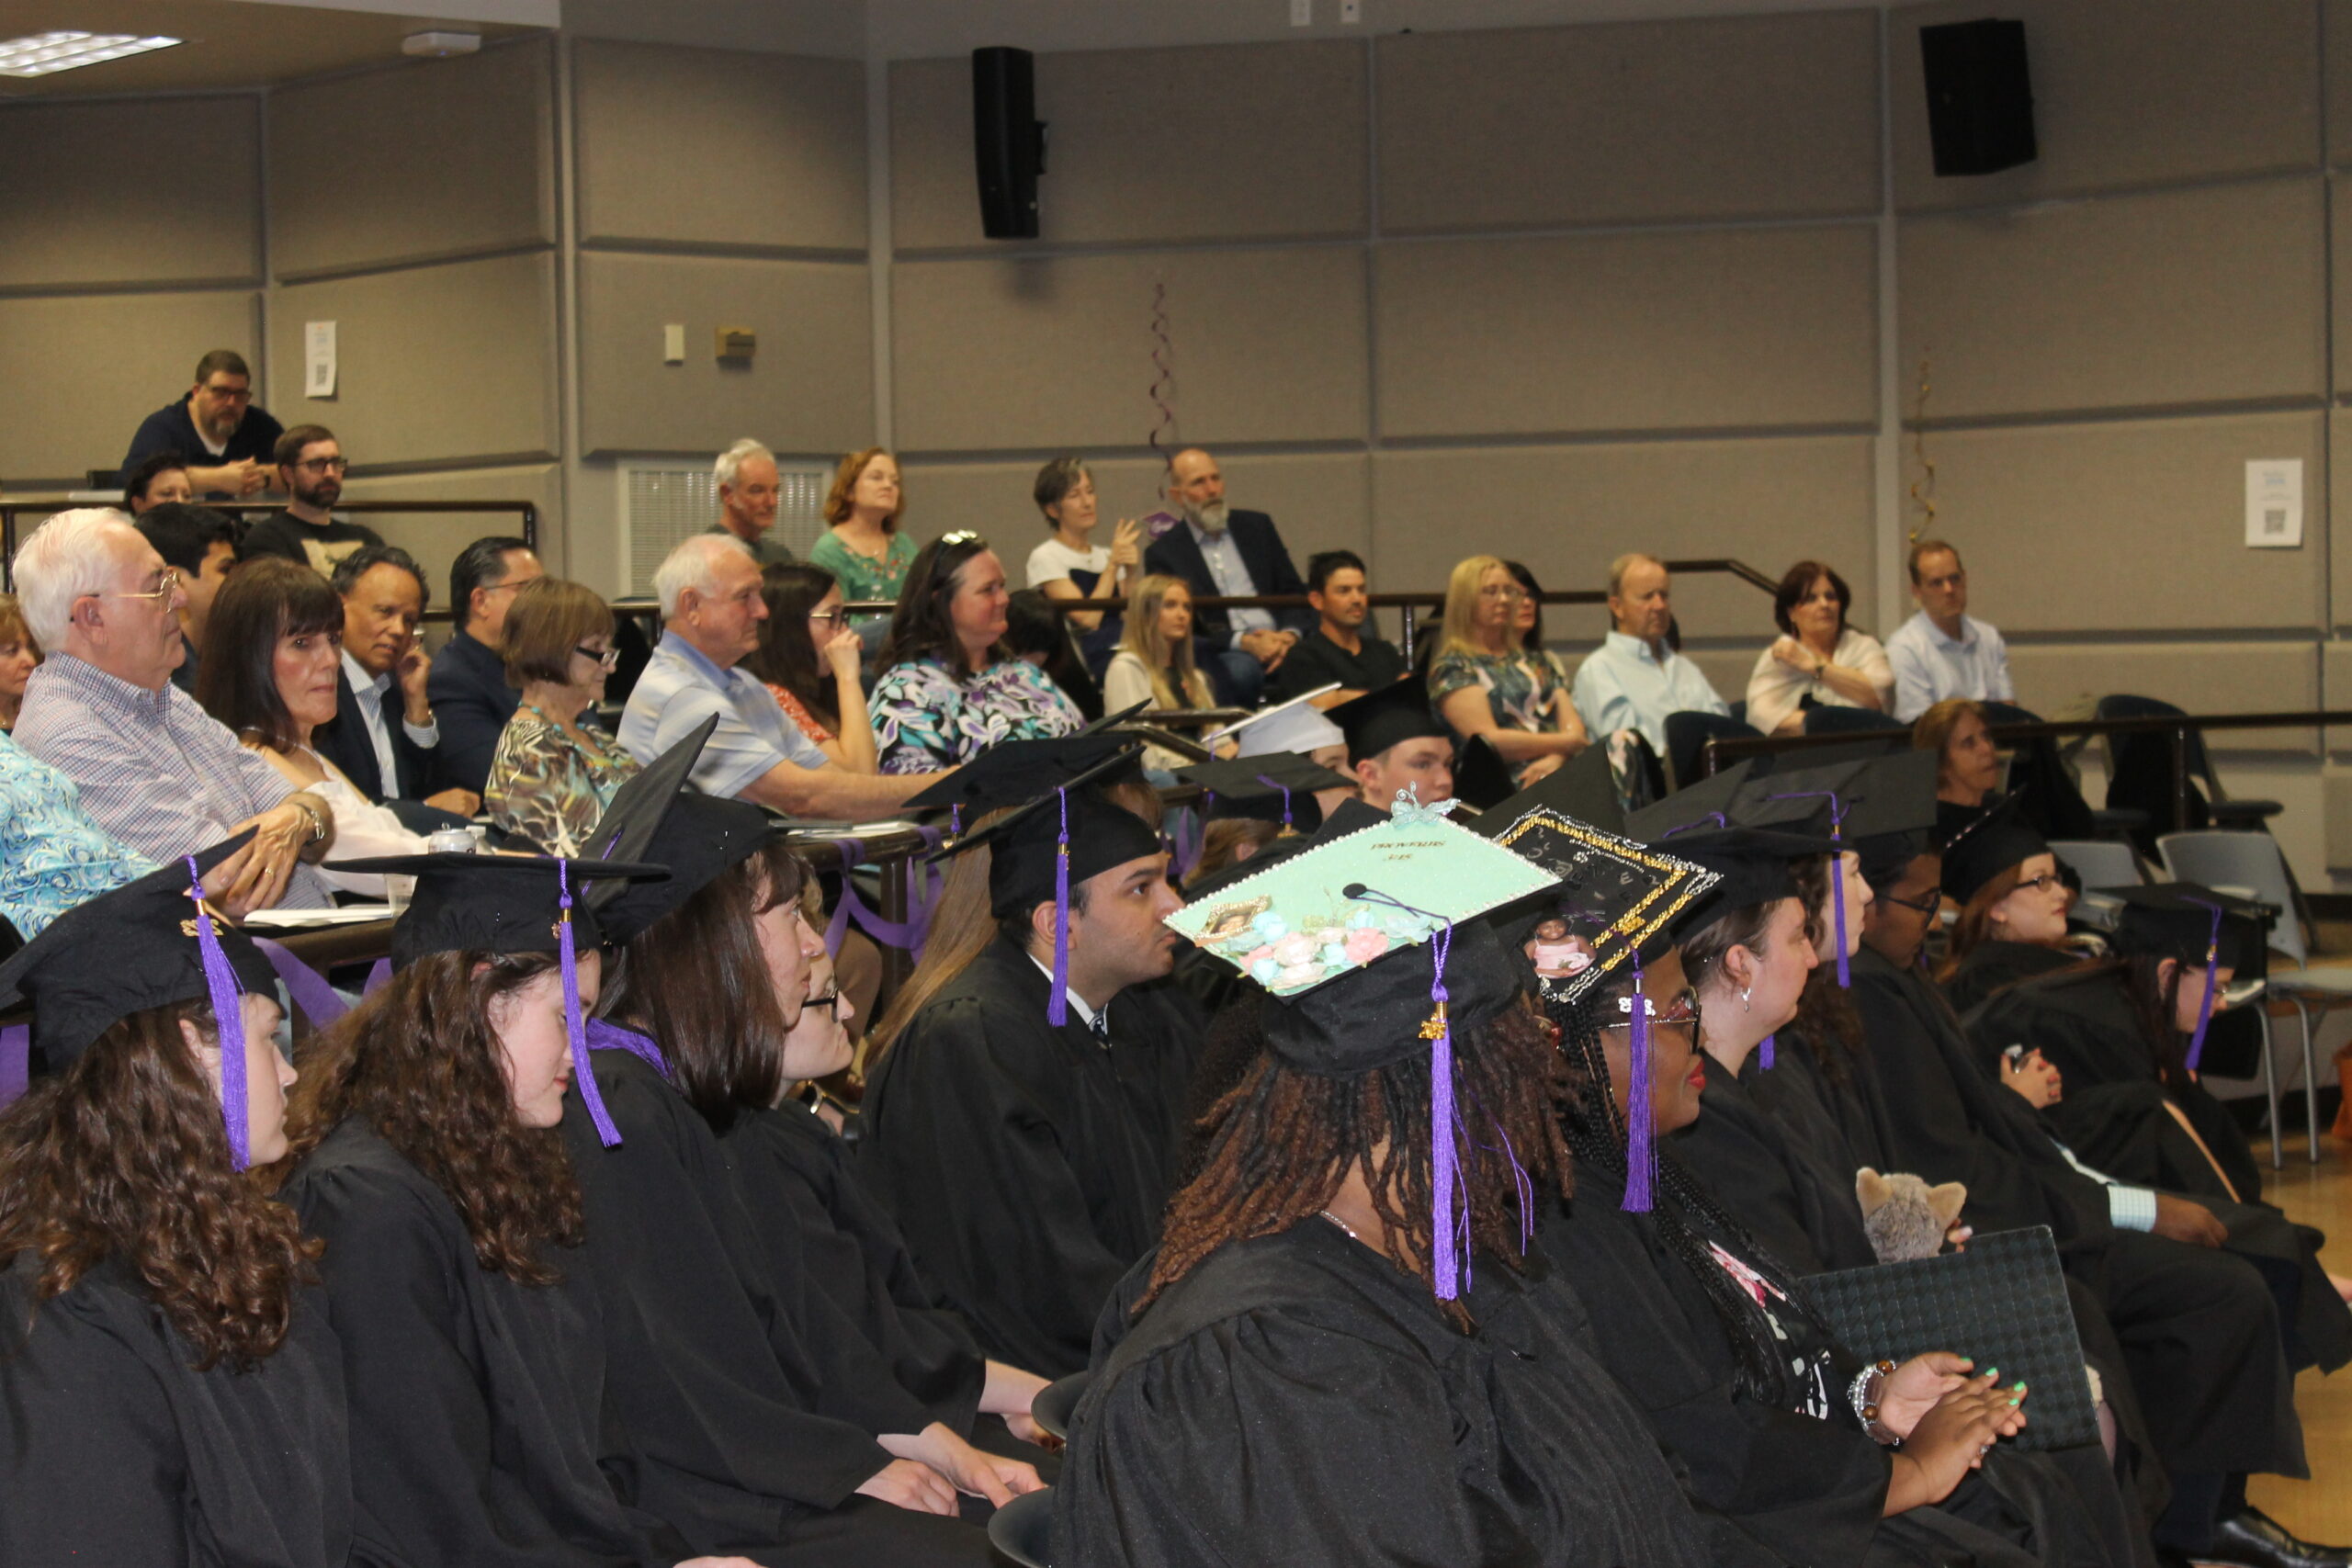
1281	1141
419	1060
123	1153
1686	1215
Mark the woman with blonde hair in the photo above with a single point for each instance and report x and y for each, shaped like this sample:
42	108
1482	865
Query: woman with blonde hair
1485	683
1154	662
864	547
19	657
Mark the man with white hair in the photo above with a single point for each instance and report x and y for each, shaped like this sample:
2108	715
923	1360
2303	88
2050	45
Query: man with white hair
711	611
748	488
1635	679
153	768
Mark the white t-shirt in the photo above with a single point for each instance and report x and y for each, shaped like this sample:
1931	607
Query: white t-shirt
1053	561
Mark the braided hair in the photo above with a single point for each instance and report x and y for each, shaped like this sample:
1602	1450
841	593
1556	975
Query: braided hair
1281	1141
1686	1216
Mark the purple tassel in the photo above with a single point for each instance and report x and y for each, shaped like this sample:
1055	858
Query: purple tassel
2205	1007
229	1023
1448	1196
379	975
1640	1123
584	1076
1764	1052
1058	1009
956	819
1270	783
603	1034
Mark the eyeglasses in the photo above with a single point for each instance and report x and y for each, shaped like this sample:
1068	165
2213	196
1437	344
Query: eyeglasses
829	617
962	536
830	1002
325	465
2043	884
1502	590
604	657
1929	906
169	582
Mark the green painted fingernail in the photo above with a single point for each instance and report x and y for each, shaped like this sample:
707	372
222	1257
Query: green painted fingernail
2014	1403
1992	1371
2018	1385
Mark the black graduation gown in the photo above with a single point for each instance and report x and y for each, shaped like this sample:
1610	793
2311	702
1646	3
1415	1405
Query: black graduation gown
1027	1165
1298	1399
116	1450
1791	1196
750	1420
2196	1327
792	1169
1818	1095
1994	966
1808	1482
477	1403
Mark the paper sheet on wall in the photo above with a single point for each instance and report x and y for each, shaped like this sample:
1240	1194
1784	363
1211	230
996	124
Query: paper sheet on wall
317	359
2274	503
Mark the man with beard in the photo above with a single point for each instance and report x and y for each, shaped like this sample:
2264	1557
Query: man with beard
311	466
1222	553
227	441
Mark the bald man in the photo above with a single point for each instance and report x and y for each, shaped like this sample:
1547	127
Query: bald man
1223	553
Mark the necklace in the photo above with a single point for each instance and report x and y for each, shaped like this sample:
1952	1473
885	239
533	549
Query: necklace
1341	1222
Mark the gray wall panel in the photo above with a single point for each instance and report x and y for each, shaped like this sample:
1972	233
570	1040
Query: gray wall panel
1242	141
129	354
1719	118
129	192
2128	93
2203	677
437	365
1056	351
2129	527
436	539
705	146
427	160
1629	331
1569	510
2188	297
808	389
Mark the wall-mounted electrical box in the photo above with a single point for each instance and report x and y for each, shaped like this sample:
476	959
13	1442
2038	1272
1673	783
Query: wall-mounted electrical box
736	344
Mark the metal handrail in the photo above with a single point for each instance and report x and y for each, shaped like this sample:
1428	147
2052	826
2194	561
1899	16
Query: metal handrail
1727	749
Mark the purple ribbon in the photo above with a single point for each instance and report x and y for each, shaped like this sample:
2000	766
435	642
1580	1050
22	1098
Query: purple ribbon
1764	1052
306	986
584	1075
605	1036
1837	874
228	1020
1057	1006
908	935
1641	1122
15	1063
2212	961
379	975
1704	819
1272	783
1184	841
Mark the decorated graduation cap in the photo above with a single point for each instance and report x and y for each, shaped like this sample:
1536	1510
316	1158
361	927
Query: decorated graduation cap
1279	787
1481	778
1978	848
2197	928
510	904
1396	712
149	943
1069	831
1373	947
1294	726
1583	787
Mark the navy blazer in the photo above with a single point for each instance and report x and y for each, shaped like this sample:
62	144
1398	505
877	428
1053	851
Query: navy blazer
472	702
1174	554
343	741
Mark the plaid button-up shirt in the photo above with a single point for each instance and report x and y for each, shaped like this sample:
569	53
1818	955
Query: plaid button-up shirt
153	769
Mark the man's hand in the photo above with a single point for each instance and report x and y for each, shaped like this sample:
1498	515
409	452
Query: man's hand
463	802
239	478
2183	1219
411	674
911	1484
965	1467
1266	648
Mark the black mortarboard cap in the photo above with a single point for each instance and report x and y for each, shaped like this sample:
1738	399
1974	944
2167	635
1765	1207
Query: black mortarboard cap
695	840
1396	712
627	824
1109	721
1277	787
1706	804
1753	865
1979	848
1011	772
1372	1016
1481	778
2196	927
1583	787
123	952
1620	900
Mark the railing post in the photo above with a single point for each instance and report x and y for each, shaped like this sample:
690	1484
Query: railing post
2180	778
897	876
1404	636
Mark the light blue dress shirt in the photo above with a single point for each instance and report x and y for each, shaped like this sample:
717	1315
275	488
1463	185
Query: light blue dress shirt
681	688
1231	574
1625	685
1930	667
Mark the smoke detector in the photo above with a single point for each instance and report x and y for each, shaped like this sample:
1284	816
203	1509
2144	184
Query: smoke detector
440	45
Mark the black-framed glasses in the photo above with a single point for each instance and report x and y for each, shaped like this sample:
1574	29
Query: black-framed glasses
325	465
603	658
1929	906
830	1002
2043	884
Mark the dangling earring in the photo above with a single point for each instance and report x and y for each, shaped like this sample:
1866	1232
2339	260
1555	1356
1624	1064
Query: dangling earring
1742	1000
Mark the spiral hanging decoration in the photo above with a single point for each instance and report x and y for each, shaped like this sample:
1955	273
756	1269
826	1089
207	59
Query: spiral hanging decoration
1923	488
1162	391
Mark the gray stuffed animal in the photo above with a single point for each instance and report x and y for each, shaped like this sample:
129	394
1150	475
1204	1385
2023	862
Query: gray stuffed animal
1903	1216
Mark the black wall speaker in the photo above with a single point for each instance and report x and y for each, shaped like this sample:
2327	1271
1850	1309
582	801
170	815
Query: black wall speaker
1980	102
1008	141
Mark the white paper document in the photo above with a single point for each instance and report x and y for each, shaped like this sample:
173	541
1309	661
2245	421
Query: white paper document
2274	503
317	359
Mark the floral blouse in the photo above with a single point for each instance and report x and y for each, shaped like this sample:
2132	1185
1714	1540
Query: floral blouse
549	788
797	712
860	576
924	720
51	856
1524	690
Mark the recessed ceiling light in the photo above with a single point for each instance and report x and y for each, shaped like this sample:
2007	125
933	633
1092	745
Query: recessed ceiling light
43	54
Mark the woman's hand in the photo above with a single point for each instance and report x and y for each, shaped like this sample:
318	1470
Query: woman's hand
1951	1440
1795	655
965	1467
1914	1388
1542	768
844	654
1126	546
2032	1076
911	1484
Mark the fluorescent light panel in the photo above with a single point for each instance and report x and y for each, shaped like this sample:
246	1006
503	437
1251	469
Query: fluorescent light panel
44	54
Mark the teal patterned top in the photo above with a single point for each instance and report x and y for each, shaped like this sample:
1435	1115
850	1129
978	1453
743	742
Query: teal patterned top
51	856
860	576
925	719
